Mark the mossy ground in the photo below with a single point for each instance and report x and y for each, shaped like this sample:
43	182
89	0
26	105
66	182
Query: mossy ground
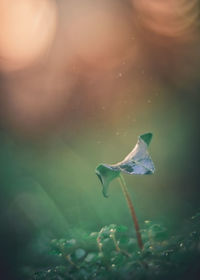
112	253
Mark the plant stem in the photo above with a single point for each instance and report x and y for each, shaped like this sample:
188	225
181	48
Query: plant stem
132	210
112	236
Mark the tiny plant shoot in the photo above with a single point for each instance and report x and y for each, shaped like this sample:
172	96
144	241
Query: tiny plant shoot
139	162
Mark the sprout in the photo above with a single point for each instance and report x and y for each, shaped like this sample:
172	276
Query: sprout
138	162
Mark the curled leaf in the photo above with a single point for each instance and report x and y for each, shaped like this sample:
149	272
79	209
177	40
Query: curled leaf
138	161
106	174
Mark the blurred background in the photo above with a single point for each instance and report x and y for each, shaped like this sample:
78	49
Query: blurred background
79	81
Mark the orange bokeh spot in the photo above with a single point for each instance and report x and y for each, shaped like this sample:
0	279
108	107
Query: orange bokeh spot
27	31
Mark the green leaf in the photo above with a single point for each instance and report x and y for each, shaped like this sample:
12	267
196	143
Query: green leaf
91	257
106	174
121	228
80	253
138	162
147	137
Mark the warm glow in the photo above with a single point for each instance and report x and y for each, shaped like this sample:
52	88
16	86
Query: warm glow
99	32
169	18
27	31
69	60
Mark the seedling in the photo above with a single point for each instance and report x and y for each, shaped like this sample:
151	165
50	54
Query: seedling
138	162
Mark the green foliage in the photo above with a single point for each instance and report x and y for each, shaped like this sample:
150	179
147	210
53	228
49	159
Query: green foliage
112	253
137	162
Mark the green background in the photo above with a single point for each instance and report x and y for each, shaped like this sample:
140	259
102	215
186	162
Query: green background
49	188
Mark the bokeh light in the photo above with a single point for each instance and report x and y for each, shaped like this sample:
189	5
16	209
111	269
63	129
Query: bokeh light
27	31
